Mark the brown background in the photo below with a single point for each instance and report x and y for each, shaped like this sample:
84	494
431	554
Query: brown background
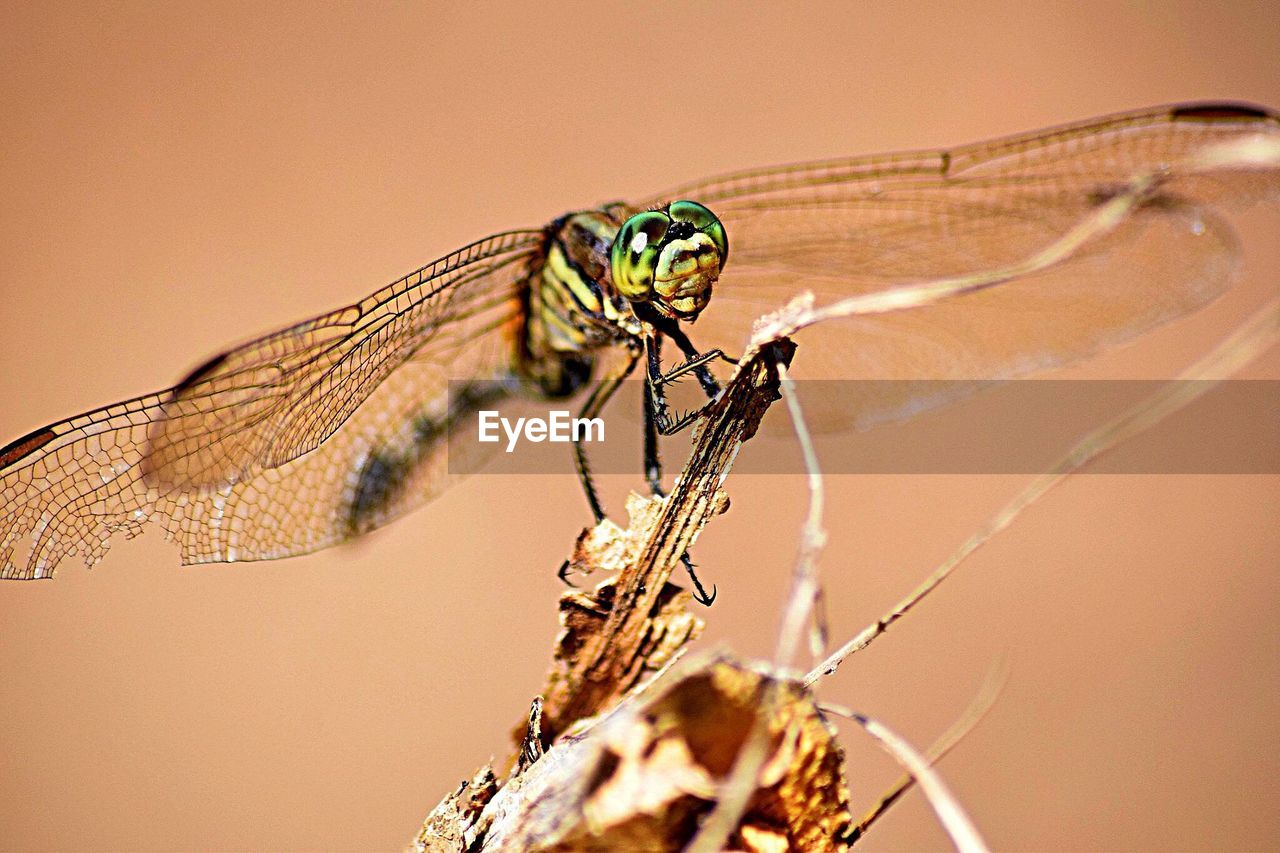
175	178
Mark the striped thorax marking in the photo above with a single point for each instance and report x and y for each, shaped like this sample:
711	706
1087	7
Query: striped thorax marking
576	307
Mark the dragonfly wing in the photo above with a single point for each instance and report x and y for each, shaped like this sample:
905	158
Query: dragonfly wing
276	398
1154	268
292	442
845	228
1102	151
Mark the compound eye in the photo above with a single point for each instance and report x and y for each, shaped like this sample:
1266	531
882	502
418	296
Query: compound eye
634	255
705	221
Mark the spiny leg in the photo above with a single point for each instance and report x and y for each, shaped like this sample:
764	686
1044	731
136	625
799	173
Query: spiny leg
700	595
653	461
652	457
653	384
697	364
656	379
696	361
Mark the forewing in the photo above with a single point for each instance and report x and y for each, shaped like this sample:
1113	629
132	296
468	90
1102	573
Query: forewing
843	228
276	398
290	443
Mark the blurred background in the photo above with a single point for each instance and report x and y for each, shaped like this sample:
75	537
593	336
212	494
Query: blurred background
177	177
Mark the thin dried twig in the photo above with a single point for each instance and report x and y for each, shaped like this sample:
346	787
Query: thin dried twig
977	710
743	779
1255	336
957	824
813	537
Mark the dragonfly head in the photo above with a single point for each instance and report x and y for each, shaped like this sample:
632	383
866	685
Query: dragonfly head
670	258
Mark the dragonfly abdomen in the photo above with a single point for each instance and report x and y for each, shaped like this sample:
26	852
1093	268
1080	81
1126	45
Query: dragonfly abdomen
386	470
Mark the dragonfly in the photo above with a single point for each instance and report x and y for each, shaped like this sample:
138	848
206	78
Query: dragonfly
319	432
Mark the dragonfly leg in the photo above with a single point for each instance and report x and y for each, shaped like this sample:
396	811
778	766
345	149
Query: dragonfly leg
652	458
699	595
696	361
653	465
590	409
664	422
696	364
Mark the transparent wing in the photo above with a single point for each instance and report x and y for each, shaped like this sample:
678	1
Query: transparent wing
289	443
849	227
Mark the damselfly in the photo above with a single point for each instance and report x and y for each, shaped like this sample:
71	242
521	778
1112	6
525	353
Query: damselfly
323	430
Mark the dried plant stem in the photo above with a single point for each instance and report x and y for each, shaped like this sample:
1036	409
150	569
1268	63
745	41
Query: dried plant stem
977	710
1255	336
741	783
813	538
957	824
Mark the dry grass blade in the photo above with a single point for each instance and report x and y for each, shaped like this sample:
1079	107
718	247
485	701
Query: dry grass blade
742	781
813	537
977	710
957	824
1256	335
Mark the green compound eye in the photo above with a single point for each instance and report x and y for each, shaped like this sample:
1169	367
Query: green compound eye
705	221
634	255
